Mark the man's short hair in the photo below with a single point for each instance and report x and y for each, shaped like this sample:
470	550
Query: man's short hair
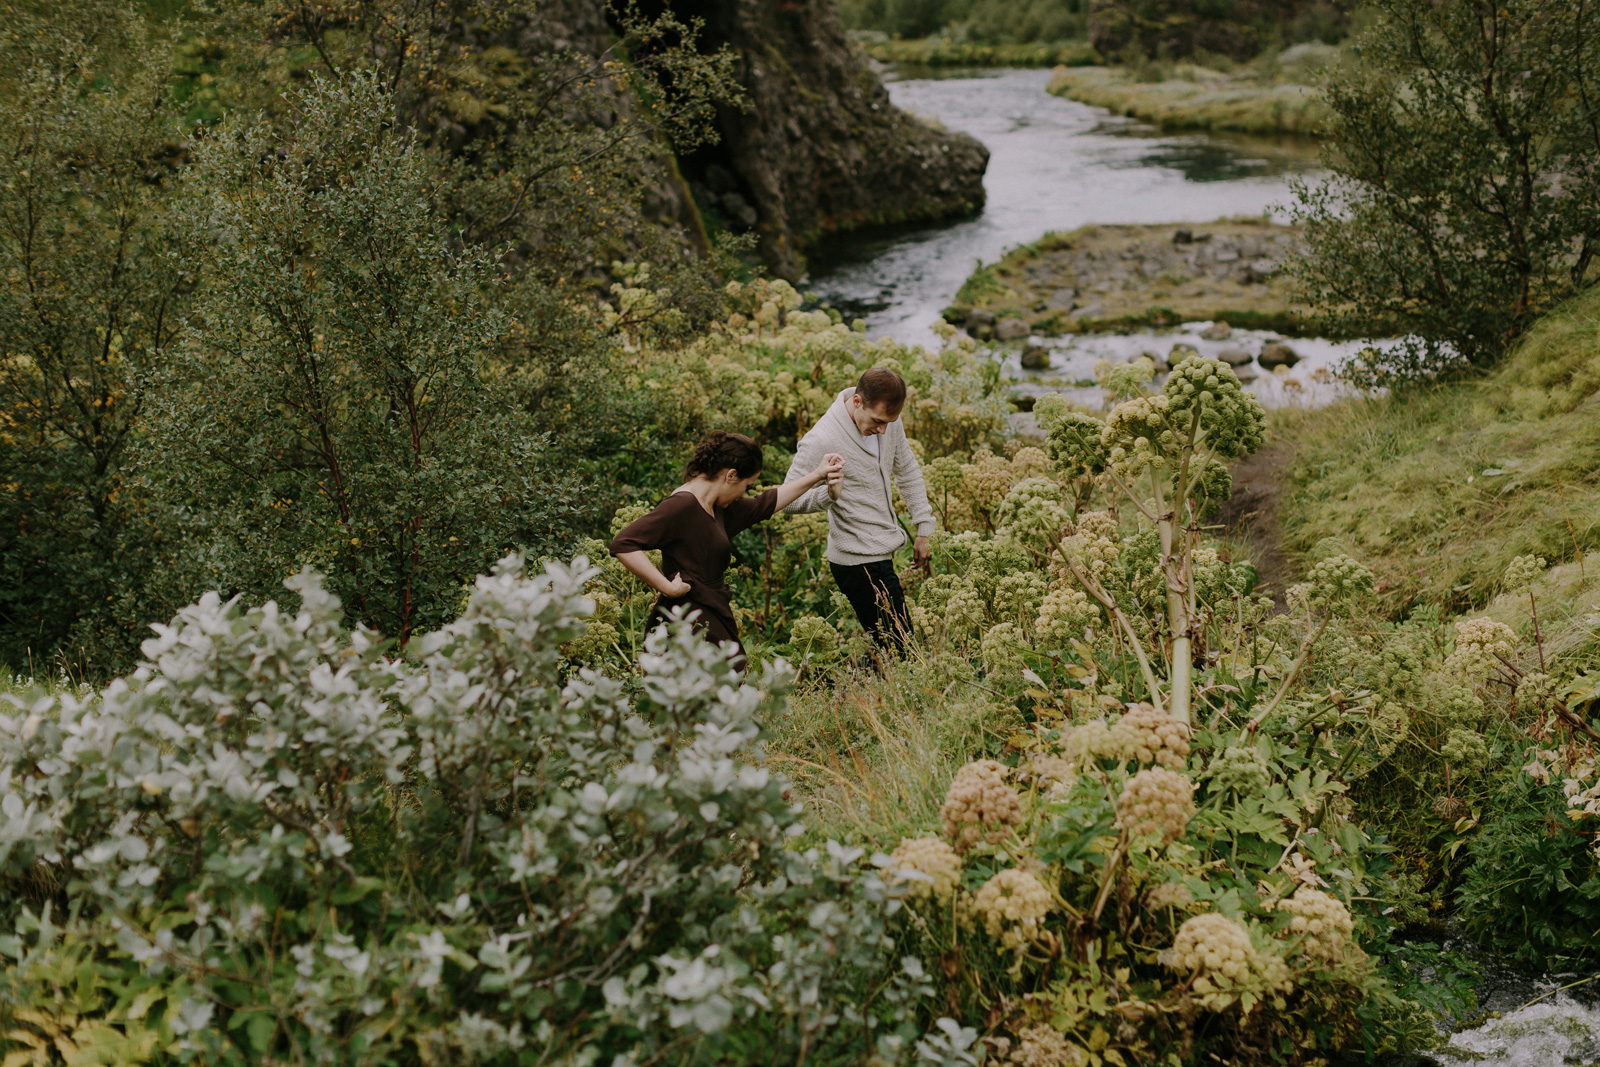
880	385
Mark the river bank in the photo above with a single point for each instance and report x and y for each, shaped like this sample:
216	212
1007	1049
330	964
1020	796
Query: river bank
946	52
1190	97
1120	277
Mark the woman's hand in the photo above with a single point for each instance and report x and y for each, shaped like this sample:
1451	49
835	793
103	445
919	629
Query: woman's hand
675	586
830	469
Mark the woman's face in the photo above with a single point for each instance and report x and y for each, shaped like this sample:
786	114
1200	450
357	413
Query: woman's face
731	487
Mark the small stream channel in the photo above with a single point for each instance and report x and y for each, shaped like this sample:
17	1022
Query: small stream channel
1056	165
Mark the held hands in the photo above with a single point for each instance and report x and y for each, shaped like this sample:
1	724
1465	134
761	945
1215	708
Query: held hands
675	586
832	469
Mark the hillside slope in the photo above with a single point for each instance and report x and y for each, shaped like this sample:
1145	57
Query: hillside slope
1438	490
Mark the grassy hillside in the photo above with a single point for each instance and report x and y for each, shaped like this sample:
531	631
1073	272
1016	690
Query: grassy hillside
1439	490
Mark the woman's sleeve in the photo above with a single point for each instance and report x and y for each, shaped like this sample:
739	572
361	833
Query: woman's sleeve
650	531
746	512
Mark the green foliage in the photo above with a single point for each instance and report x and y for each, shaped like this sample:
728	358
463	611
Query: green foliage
327	406
275	842
1462	202
1005	22
92	299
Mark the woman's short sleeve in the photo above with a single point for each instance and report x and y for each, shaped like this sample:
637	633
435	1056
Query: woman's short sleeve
658	529
746	512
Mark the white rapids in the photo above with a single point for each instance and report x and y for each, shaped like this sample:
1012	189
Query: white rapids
1552	1033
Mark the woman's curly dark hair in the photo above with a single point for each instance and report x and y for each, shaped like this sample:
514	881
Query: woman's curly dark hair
721	451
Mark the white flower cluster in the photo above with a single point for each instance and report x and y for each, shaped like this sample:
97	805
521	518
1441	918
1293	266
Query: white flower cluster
1150	736
1242	769
1042	1045
1480	644
1321	922
1521	572
980	806
1012	905
1156	803
1218	952
934	860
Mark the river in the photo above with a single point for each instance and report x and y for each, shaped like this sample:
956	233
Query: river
1056	164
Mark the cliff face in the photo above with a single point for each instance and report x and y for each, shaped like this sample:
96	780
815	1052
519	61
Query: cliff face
819	149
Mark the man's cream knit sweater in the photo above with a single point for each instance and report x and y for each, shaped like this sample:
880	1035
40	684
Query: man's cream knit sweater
862	526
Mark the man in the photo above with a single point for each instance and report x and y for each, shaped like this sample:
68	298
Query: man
863	425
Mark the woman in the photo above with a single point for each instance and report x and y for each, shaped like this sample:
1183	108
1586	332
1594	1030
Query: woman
693	528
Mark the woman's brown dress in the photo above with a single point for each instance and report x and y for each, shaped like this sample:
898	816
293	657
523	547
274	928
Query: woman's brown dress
696	545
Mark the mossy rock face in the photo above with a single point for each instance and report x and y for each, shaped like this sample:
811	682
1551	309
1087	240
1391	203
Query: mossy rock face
1104	278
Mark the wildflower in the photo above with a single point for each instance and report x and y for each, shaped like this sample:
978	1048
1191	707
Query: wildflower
1215	946
931	857
1150	736
1076	444
1338	583
1480	644
1522	571
1156	802
1242	769
1322	923
980	806
1232	421
811	639
1536	691
1465	750
1041	1045
1012	905
1001	647
1062	616
1169	895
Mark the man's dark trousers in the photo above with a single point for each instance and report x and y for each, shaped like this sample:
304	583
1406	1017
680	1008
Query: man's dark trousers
873	589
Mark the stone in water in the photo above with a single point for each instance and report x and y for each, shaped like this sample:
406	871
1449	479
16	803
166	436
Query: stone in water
1276	353
1012	329
1234	356
1036	357
1217	331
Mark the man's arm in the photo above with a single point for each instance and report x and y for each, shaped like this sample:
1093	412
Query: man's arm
908	479
808	455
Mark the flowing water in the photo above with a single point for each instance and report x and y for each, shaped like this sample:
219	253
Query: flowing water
1057	165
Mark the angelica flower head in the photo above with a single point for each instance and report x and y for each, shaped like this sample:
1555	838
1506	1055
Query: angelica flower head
980	806
1322	922
1242	769
1338	584
1157	803
1076	443
1062	616
933	858
1522	571
1213	945
1001	648
1169	895
1140	433
1232	422
813	640
1013	905
1465	750
1481	643
1151	736
1042	1045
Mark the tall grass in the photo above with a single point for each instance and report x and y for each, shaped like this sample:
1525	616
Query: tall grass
1439	489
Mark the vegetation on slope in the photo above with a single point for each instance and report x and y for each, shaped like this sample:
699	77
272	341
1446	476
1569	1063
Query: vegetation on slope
1196	98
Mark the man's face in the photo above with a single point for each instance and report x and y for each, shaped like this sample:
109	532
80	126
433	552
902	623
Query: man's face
870	420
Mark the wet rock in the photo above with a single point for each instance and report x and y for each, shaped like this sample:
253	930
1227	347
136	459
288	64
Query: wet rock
1062	300
1035	357
1245	374
1278	354
980	317
1234	356
1217	331
1012	329
1181	352
1184	236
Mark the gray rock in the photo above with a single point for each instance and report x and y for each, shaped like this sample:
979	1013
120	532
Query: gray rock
1088	311
1225	255
1062	300
1012	329
979	317
1261	270
1278	354
1217	331
1181	352
1036	357
1245	374
1234	356
1183	236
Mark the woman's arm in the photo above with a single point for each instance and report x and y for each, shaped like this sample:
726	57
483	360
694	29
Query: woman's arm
639	563
830	470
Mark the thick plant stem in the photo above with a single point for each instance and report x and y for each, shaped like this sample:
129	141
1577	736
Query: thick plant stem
1177	605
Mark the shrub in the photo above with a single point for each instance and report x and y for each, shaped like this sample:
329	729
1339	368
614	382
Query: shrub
282	843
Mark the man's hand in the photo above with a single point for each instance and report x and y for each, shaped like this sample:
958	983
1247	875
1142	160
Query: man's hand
921	553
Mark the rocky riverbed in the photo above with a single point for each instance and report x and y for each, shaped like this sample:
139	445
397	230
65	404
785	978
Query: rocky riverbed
1100	278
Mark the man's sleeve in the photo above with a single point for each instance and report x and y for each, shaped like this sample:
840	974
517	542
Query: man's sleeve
908	479
808	453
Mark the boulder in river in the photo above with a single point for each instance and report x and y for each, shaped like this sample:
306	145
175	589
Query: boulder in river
1278	354
1234	356
1062	300
1181	352
1183	236
1035	357
1246	374
1217	331
1012	329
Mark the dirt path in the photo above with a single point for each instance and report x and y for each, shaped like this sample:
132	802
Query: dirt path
1250	517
